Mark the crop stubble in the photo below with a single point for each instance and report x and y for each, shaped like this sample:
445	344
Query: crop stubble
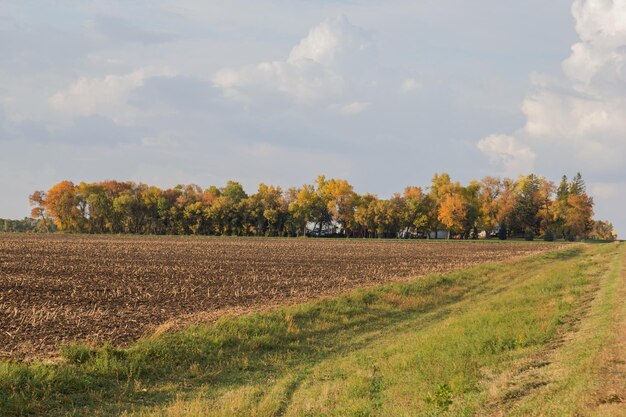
56	289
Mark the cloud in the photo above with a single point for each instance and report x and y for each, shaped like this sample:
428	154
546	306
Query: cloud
508	154
334	43
81	130
333	56
601	26
355	107
28	45
107	96
587	109
96	130
577	122
43	47
409	85
582	115
179	92
121	30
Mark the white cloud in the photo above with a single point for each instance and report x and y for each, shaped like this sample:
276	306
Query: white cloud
302	80
334	55
587	109
333	43
601	25
508	154
355	107
409	85
583	114
106	96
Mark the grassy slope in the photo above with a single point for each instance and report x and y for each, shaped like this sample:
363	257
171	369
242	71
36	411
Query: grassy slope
493	339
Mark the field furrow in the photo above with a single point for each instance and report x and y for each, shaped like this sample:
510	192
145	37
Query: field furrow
60	288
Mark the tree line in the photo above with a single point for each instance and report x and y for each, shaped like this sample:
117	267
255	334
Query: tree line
27	224
530	206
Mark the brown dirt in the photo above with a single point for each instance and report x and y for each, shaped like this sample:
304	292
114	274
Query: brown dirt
56	289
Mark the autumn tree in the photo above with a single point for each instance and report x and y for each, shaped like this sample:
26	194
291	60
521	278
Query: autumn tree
295	221
237	214
579	218
266	210
311	205
560	207
154	202
43	223
602	230
229	209
365	215
453	212
416	209
129	206
440	186
471	197
37	202
62	204
573	208
386	218
506	205
545	213
489	203
532	205
341	202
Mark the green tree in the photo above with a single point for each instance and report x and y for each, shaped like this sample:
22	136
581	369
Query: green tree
525	219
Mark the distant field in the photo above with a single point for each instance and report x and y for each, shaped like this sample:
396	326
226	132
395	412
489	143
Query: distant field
59	288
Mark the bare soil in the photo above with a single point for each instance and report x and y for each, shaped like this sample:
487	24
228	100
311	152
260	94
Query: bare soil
56	289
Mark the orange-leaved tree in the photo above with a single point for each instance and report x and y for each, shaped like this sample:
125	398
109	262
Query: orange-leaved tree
453	212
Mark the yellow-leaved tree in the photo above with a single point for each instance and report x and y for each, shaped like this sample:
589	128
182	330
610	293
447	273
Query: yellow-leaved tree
453	212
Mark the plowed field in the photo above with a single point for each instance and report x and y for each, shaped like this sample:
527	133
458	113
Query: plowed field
60	288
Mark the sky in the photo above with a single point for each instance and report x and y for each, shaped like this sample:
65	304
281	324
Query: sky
381	93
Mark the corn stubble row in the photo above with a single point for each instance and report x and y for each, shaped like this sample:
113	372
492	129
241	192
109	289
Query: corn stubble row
56	289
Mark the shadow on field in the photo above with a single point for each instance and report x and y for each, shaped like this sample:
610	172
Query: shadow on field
291	343
565	254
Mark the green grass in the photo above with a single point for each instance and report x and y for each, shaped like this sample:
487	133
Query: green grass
434	346
575	376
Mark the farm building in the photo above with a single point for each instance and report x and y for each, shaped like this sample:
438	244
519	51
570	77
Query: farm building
439	234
